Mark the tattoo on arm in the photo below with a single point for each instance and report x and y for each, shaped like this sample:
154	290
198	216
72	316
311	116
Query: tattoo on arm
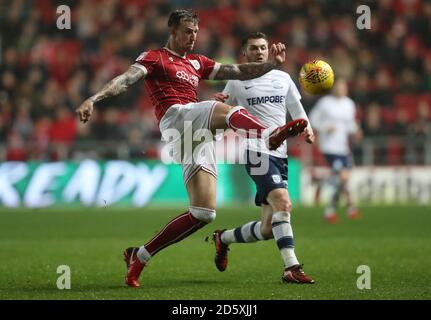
119	84
244	71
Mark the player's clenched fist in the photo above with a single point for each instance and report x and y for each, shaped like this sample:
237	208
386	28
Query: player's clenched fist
85	110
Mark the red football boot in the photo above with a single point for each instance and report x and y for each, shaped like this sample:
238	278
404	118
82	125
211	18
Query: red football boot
134	267
295	274
353	213
290	129
331	218
221	251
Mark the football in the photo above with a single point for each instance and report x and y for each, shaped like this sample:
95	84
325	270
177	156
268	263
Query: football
316	77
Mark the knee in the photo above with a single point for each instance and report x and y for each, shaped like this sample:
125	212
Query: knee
279	200
203	214
220	116
230	111
224	108
282	203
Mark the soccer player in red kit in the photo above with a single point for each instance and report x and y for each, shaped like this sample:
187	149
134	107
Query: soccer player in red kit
171	76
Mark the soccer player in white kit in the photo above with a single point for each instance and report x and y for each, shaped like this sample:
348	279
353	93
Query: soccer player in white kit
268	98
333	118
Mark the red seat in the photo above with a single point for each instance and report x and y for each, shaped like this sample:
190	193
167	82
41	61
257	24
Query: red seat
427	98
409	103
388	116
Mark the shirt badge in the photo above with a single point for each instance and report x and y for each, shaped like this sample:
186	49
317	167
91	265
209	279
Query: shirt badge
195	64
277	84
276	178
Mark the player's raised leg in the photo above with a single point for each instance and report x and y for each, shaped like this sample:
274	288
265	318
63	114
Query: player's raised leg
283	234
201	189
241	121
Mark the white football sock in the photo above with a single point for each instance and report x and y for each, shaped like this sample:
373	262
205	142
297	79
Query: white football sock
283	235
143	255
249	232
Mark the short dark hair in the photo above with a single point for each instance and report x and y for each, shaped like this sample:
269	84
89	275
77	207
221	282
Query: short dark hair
178	16
253	35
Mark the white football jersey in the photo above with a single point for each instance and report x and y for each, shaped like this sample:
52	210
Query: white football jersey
334	120
266	98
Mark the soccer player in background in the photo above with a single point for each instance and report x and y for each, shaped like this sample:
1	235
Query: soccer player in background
171	76
333	118
268	98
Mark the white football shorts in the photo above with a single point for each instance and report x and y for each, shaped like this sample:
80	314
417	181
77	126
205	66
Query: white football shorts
186	129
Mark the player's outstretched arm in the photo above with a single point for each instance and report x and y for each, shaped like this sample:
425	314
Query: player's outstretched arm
246	71
113	88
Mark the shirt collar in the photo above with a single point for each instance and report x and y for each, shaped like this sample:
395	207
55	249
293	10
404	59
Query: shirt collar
174	53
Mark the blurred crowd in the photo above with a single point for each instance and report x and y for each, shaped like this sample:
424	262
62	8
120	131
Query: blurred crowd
45	72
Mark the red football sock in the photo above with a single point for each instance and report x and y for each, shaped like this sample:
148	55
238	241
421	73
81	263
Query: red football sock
241	121
177	229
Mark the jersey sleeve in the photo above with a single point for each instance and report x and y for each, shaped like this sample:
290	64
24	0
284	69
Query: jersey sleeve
229	89
292	95
147	61
209	67
296	110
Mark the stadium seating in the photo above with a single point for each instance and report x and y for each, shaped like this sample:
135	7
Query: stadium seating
58	69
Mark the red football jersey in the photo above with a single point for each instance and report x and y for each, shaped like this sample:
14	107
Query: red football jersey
173	79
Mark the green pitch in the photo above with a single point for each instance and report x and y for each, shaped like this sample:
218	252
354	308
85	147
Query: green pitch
394	242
